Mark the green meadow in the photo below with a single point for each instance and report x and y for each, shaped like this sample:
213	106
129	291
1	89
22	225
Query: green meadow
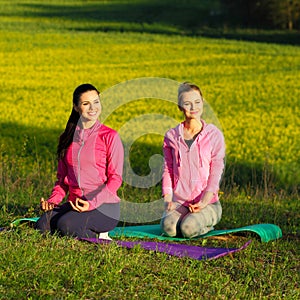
47	48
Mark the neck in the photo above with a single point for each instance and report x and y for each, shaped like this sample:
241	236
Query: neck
192	125
87	125
191	129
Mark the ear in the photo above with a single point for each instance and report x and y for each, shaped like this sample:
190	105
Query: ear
75	107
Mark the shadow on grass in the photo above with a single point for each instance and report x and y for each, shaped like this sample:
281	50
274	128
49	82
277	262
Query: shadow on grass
27	141
198	18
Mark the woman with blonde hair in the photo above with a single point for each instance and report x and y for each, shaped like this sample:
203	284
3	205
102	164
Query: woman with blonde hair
194	154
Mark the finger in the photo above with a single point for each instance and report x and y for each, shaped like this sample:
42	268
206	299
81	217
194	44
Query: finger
192	208
81	202
78	202
43	205
74	207
47	206
196	209
169	206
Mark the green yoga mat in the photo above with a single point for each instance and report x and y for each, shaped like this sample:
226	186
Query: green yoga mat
266	232
23	220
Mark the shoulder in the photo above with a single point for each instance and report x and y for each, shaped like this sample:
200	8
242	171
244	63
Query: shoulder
212	130
173	133
107	131
108	135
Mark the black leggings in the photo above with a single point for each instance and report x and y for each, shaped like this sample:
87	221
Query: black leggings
69	222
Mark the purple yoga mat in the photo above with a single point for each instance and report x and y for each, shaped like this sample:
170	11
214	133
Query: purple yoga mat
180	250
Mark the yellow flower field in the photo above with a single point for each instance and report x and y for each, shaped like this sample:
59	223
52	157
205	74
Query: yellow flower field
253	89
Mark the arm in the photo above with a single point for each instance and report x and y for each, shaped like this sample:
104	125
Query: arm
115	158
217	162
216	171
60	189
167	177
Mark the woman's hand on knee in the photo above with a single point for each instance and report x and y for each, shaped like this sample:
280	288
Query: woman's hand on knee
45	205
169	204
80	205
194	208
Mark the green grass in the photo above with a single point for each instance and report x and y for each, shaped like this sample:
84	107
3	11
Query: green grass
34	267
47	49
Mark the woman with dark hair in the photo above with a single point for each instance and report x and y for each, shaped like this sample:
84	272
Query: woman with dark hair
194	161
90	164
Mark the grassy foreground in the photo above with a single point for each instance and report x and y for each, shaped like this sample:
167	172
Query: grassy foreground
46	49
34	267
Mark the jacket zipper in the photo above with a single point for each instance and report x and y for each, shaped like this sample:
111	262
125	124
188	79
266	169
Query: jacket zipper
78	157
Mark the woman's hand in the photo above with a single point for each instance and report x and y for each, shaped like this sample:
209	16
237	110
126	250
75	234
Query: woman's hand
202	204
80	205
45	205
169	204
194	208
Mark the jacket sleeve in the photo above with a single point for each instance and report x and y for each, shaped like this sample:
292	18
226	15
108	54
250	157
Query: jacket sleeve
60	189
217	162
167	177
107	193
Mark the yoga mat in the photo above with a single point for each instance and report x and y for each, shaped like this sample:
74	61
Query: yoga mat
179	250
266	232
23	220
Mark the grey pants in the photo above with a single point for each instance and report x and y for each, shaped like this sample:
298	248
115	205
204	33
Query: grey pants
181	221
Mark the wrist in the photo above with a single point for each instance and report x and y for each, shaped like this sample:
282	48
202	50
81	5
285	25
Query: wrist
168	198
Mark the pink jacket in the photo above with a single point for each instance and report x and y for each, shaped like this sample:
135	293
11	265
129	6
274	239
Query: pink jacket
91	168
190	172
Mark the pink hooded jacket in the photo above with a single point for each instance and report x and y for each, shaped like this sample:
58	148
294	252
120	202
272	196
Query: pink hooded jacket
91	168
190	172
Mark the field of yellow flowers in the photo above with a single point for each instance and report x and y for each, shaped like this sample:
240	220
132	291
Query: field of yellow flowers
252	88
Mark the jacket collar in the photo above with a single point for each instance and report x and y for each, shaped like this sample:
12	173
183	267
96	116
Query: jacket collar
179	130
81	134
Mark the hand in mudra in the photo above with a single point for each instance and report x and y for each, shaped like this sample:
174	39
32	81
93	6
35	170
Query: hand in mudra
80	205
45	205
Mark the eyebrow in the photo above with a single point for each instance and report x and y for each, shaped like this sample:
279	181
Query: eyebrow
186	101
96	99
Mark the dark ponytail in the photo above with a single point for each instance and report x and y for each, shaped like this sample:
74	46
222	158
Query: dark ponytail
66	137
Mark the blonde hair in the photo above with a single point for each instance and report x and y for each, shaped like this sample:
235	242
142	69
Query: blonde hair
187	87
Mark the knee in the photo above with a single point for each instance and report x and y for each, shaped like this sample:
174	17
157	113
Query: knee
168	226
42	227
66	227
43	224
189	227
